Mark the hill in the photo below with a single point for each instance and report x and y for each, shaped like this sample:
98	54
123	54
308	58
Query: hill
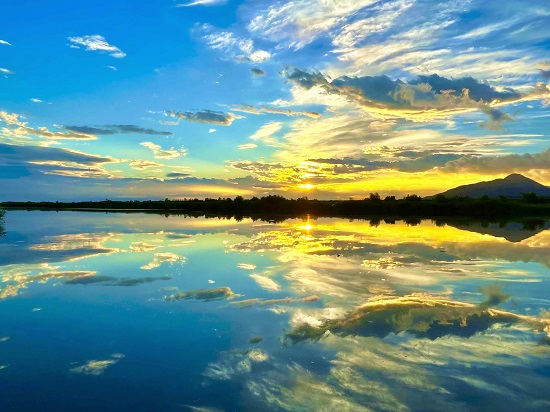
513	185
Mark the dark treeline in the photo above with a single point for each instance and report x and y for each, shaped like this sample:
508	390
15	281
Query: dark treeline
530	205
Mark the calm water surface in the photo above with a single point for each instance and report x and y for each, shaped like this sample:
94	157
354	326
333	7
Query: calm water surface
144	312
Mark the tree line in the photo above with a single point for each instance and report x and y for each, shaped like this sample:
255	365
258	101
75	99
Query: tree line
412	205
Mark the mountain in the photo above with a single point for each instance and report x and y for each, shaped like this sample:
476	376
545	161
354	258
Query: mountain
512	231
511	186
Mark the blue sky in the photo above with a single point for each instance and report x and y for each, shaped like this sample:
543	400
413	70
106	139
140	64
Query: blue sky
325	99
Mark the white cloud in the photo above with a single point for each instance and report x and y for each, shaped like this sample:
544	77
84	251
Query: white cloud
6	71
265	133
247	146
161	153
35	100
96	42
4	42
235	47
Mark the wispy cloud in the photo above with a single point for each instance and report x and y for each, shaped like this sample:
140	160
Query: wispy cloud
300	22
247	146
202	3
238	48
246	108
96	42
265	134
5	71
4	42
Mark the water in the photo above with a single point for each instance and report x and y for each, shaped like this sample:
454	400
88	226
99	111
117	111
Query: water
145	312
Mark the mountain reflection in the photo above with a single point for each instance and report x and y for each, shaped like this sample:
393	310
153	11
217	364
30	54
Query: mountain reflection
305	314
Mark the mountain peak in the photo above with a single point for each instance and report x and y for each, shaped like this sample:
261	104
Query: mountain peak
516	177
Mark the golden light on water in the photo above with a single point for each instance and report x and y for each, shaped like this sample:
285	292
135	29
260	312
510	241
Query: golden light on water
308	227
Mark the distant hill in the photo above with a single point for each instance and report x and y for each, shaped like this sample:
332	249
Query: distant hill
511	186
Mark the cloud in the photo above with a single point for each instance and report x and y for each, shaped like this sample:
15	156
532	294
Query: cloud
116	128
419	99
257	72
96	42
19	129
206	295
35	100
18	161
423	316
300	22
96	367
420	164
246	108
205	116
247	146
164	257
143	164
265	134
177	175
238	48
11	119
114	281
5	71
4	42
203	3
500	164
168	154
380	19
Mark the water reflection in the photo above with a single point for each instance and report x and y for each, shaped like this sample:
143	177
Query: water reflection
312	314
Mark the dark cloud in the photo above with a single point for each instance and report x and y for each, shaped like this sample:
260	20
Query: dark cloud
205	295
176	175
250	181
10	153
382	89
419	164
114	281
545	74
476	90
205	116
257	72
116	128
18	161
500	164
496	118
422	93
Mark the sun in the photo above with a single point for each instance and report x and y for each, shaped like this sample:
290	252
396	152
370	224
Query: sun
306	186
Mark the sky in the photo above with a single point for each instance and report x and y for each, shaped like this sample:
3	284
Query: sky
327	99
